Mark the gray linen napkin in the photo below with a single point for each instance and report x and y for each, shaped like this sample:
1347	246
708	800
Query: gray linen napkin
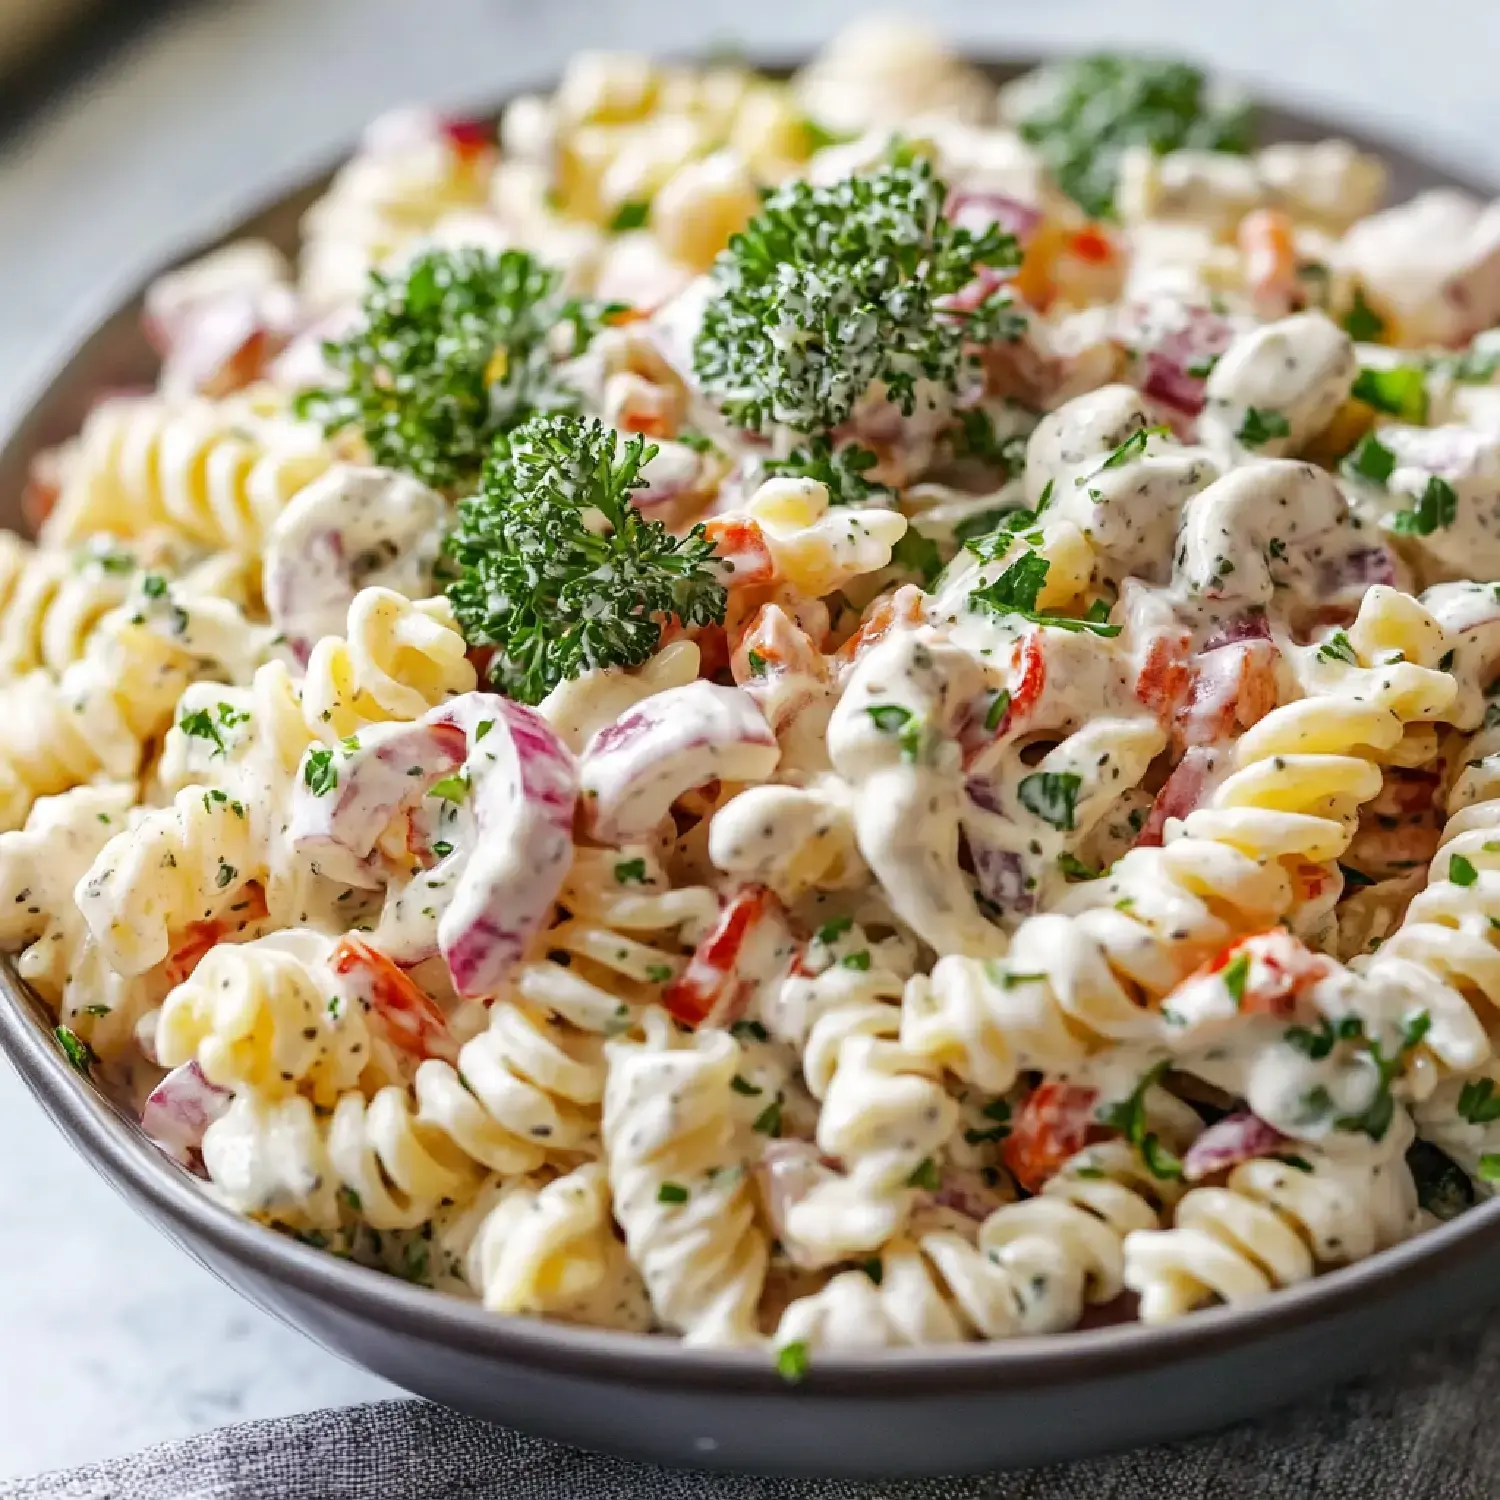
1419	1429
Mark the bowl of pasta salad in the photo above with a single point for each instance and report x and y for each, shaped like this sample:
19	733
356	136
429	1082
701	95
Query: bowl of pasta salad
788	769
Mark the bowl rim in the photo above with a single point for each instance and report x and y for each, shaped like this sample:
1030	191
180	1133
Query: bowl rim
112	1142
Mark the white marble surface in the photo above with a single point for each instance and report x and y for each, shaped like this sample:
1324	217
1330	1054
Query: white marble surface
113	1338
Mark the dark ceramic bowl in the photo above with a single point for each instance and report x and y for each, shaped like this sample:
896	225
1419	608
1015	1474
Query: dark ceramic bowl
943	1410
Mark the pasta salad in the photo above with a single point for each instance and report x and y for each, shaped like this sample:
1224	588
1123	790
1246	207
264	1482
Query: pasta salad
820	714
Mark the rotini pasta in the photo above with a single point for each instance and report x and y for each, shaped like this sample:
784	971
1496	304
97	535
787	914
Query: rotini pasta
216	476
268	1015
1271	1225
683	1193
96	718
903	742
548	1249
883	1116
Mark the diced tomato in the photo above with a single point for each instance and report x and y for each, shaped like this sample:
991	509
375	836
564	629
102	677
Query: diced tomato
198	937
469	139
1053	1124
744	559
778	645
1233	687
1027	678
1092	244
480	658
1310	881
905	607
1266	241
713	649
652	411
411	1017
1165	675
1180	794
1281	969
43	486
719	978
1034	282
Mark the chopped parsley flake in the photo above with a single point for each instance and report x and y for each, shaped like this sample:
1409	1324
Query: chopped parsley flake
1362	323
1260	426
1128	1116
75	1049
1338	648
925	1175
1052	796
1371	461
1400	392
792	1361
1478	1103
1436	509
1236	972
319	774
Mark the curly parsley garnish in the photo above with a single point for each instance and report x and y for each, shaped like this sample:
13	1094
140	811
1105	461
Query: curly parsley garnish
841	470
559	572
448	354
830	289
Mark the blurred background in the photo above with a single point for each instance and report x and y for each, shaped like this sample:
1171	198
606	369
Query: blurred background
129	129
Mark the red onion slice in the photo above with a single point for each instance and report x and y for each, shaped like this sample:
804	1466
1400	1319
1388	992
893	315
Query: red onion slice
633	770
180	1108
1236	1138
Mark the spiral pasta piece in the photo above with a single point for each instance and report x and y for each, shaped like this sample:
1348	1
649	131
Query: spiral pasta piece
1272	1224
1303	771
215	475
624	939
545	1249
1034	1268
1458	1117
186	863
1444	955
53	598
398	658
884	1117
39	865
97	717
676	1159
268	1015
282	1160
1092	973
527	1089
410	173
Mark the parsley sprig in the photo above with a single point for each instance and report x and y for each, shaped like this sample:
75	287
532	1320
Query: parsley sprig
832	288
1016	590
448	354
559	572
1092	108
